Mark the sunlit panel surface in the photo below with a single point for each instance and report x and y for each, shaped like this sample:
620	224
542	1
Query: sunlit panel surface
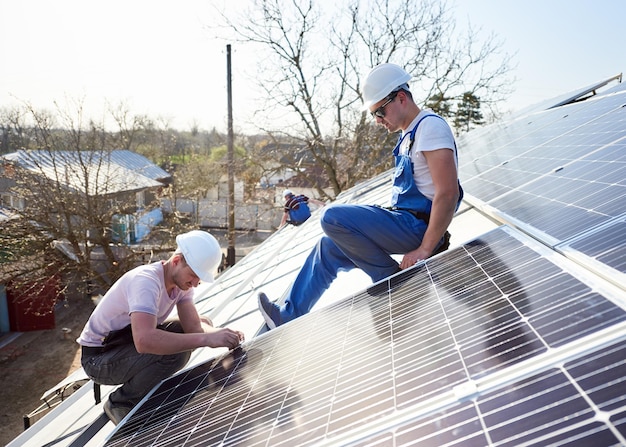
492	343
559	175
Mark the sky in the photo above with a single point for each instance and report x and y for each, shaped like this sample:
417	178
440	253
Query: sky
157	57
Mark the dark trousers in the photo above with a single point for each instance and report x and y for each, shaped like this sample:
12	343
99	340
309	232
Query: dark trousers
137	373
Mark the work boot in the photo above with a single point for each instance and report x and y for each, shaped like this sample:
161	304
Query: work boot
115	413
270	311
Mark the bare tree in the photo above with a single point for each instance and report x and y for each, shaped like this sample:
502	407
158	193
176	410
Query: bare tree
13	133
69	193
129	126
314	60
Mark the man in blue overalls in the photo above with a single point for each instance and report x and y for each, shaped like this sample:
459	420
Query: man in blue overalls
296	210
425	195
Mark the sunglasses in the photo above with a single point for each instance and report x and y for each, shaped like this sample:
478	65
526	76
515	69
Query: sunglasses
380	111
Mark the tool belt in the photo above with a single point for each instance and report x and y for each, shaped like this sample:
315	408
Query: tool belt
418	214
124	336
116	338
92	350
426	218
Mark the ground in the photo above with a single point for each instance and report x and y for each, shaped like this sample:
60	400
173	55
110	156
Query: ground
36	361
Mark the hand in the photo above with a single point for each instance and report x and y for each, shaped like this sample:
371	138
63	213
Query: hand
224	337
413	257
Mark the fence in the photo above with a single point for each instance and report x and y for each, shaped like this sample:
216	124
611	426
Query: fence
214	214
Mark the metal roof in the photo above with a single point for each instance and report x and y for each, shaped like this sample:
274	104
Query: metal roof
98	172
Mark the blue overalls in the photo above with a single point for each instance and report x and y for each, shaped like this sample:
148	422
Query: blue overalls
362	236
299	212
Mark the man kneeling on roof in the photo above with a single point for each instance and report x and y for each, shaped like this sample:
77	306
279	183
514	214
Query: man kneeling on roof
128	340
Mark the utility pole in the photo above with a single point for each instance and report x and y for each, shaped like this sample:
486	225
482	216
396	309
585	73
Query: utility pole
230	256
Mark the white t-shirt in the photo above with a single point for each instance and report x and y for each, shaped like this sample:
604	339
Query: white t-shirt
142	289
432	134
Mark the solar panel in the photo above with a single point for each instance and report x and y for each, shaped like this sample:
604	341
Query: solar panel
492	343
573	404
559	176
607	245
570	97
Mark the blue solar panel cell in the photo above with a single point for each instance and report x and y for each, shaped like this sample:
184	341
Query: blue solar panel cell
559	220
607	245
546	293
580	316
525	274
531	409
457	426
484	189
601	375
493	349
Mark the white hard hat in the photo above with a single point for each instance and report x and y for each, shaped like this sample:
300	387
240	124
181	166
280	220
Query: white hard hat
287	192
382	80
202	253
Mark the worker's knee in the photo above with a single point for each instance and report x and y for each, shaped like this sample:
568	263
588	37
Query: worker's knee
206	320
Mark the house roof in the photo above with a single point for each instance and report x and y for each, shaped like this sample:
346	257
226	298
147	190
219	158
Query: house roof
6	214
140	164
98	172
516	334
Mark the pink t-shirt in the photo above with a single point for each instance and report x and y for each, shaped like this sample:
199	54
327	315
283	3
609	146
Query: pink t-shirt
139	290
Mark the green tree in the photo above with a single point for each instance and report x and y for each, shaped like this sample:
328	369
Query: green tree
468	114
440	105
197	174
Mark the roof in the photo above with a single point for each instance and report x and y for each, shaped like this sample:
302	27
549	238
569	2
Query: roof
140	164
106	172
516	334
6	214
